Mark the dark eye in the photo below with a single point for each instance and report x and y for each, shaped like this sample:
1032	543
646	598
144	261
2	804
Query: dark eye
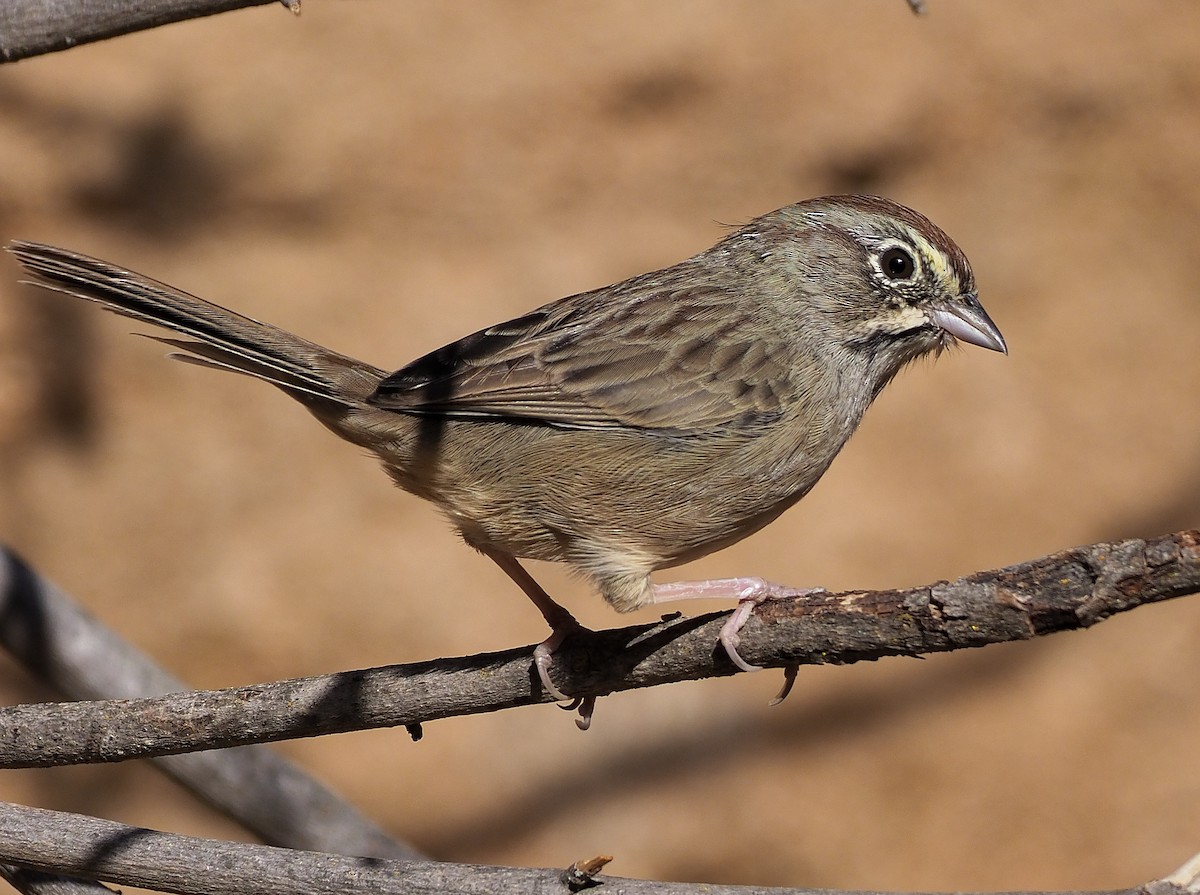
897	264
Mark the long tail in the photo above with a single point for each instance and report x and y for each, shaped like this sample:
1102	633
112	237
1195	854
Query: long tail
219	338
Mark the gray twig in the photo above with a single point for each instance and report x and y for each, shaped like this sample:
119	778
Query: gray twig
101	849
33	27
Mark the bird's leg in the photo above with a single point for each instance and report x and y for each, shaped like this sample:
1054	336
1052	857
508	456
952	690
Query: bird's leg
749	592
562	624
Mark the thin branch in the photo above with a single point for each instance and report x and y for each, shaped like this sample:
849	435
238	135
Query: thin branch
1064	591
72	652
100	849
32	27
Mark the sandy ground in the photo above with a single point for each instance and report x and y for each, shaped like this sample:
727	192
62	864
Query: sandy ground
384	177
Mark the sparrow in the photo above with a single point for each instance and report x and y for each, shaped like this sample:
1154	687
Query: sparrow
628	429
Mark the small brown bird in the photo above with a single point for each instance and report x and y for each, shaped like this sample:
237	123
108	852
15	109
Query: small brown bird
631	428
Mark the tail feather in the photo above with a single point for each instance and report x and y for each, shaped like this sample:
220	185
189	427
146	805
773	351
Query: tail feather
219	337
201	355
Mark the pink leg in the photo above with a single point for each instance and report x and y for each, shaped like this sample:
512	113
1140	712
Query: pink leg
562	625
749	592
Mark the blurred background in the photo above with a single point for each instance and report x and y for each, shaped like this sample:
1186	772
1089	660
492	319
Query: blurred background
385	177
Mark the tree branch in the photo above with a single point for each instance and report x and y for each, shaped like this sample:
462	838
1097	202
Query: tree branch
72	652
32	27
100	849
1064	591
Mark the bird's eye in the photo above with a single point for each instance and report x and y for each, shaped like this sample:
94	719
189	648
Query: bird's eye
897	264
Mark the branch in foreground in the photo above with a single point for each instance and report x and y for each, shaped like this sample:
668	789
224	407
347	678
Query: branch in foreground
1064	591
68	649
100	849
33	27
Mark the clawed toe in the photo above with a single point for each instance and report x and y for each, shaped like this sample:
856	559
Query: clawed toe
585	706
789	680
756	593
729	637
749	592
543	658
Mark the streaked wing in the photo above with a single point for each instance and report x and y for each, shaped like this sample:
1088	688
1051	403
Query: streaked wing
620	357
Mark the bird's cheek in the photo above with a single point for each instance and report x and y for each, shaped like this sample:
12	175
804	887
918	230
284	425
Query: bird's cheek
903	319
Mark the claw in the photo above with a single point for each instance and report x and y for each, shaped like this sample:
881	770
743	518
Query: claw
543	658
729	637
789	679
753	595
586	707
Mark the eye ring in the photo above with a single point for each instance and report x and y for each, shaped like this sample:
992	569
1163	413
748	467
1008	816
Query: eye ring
897	264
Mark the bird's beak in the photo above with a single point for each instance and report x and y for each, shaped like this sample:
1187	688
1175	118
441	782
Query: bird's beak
964	318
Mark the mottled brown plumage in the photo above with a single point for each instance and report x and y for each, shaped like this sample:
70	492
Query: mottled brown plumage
631	428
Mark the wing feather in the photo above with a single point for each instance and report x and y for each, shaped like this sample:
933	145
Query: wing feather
624	357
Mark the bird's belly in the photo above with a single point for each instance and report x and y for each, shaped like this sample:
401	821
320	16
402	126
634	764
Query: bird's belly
554	494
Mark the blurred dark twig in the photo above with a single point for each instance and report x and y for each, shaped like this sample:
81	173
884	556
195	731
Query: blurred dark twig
33	27
38	882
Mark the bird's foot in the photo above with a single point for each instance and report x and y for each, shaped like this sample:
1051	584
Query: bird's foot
543	658
750	593
562	625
